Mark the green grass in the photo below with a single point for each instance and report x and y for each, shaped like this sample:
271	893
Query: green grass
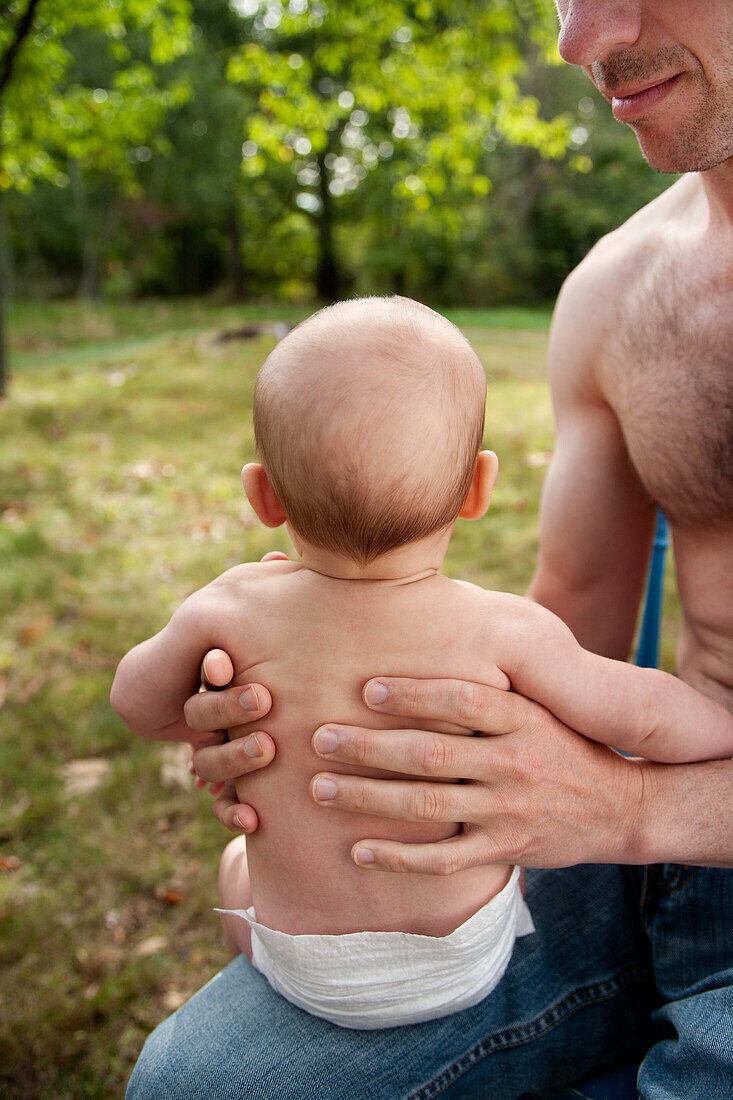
120	451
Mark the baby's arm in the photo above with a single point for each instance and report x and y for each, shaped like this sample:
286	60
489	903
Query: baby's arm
155	679
638	710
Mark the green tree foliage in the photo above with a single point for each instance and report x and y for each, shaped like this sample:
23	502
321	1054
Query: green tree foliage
344	87
53	108
435	149
57	108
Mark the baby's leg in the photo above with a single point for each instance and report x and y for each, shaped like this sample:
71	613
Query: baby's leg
235	893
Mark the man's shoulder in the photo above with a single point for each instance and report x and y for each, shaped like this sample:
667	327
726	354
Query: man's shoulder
618	261
592	310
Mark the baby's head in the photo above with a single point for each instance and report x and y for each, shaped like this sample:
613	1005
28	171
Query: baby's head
368	421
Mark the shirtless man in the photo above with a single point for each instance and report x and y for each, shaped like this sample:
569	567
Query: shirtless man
625	960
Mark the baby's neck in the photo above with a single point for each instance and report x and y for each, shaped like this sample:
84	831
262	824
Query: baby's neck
406	563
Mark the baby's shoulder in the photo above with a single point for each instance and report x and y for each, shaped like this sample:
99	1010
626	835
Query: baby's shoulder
243	592
254	575
487	601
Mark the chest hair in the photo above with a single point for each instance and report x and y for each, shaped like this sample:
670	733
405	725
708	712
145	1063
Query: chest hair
669	377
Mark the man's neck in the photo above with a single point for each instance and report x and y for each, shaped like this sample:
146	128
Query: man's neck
717	183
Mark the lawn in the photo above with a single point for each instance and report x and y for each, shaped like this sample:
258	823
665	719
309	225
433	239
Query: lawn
120	451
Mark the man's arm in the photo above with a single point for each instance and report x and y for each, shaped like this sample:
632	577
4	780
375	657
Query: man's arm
596	520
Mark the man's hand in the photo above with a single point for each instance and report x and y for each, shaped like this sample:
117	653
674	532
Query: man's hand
216	760
535	792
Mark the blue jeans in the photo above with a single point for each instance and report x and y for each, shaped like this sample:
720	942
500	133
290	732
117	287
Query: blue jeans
626	964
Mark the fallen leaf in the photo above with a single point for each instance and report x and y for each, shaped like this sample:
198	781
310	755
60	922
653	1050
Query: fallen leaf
31	687
174	773
173	999
18	808
32	631
84	776
98	963
169	894
151	945
10	863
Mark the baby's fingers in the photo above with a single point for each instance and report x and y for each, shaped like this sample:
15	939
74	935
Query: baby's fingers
216	669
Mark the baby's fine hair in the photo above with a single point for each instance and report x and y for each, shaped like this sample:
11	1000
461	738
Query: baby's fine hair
368	418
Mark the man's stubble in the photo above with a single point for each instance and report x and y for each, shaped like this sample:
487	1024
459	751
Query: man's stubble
703	138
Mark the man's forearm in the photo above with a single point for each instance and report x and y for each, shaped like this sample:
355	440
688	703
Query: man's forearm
685	815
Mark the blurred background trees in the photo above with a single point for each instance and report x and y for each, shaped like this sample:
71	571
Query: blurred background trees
302	149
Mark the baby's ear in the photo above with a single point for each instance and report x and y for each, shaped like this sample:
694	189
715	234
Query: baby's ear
479	492
261	495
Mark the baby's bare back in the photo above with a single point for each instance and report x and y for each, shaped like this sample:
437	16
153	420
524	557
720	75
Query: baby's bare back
313	641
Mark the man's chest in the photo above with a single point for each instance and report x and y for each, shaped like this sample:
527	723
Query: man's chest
670	381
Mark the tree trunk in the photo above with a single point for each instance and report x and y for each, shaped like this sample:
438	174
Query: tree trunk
7	64
3	353
235	267
88	282
3	295
328	276
7	265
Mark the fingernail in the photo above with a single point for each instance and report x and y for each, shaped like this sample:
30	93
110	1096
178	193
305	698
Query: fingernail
375	693
324	790
252	746
238	822
191	769
325	741
248	699
363	855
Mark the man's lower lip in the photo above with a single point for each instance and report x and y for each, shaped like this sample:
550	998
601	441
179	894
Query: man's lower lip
631	108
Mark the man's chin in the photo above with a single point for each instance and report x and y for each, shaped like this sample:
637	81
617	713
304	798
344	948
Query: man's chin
672	155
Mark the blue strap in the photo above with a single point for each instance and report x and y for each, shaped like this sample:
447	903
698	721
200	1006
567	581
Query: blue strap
647	654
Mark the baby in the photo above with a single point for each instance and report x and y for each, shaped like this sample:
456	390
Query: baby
368	421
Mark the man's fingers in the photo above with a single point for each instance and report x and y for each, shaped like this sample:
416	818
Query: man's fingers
443	857
479	707
216	669
413	752
214	710
397	799
215	763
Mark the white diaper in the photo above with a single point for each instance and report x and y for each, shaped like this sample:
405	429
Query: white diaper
386	979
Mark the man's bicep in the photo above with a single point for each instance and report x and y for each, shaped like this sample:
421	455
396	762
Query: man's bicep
596	519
